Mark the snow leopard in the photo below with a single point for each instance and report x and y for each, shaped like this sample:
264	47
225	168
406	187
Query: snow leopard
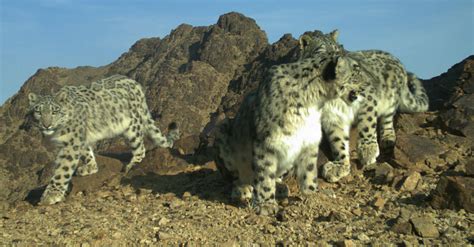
389	88
277	129
76	117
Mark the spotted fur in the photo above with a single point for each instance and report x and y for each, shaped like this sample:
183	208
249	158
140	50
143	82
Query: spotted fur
277	129
77	117
388	88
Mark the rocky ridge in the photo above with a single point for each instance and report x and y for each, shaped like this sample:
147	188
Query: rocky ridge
422	194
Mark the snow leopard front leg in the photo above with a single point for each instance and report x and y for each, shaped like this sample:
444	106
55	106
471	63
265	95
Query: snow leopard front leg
307	169
66	163
264	165
89	164
387	132
367	146
337	132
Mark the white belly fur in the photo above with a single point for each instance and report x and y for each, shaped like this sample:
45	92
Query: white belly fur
113	130
290	147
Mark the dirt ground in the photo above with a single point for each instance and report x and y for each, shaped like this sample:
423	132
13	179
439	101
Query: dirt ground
189	205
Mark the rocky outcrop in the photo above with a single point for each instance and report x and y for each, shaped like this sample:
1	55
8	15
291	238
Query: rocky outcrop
186	74
196	76
453	93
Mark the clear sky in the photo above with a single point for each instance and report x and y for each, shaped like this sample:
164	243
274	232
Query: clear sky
428	36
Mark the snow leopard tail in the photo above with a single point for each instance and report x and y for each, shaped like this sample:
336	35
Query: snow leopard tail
224	128
413	97
155	134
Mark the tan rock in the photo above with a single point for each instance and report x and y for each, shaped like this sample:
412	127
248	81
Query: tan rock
410	182
346	243
424	227
379	203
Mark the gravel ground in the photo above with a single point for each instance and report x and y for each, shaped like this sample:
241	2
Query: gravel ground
191	206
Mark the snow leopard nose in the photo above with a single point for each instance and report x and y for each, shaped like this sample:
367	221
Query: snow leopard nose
46	122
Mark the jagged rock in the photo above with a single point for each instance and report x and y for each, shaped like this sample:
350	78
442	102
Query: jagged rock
192	61
454	192
445	87
452	92
185	76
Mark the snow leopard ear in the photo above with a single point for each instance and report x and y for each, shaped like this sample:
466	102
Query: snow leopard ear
343	69
334	34
304	41
337	69
32	98
61	96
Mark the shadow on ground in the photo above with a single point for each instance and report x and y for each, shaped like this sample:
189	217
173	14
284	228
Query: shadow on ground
205	183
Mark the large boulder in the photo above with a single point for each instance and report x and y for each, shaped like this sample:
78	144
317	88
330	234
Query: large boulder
454	192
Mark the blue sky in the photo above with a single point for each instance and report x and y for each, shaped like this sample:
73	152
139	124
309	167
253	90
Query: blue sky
428	36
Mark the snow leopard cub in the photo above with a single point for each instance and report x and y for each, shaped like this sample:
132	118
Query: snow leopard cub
277	129
77	117
389	87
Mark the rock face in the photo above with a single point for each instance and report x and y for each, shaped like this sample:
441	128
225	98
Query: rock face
195	76
186	74
453	94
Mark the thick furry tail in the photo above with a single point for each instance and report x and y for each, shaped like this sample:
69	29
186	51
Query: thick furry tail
414	97
220	148
157	136
173	134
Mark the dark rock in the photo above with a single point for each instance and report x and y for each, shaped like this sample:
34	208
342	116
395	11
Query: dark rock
346	243
469	167
461	117
450	85
404	227
410	123
108	169
192	61
411	150
452	93
24	163
454	192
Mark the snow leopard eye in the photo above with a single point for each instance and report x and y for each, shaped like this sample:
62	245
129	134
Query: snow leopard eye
352	96
56	109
